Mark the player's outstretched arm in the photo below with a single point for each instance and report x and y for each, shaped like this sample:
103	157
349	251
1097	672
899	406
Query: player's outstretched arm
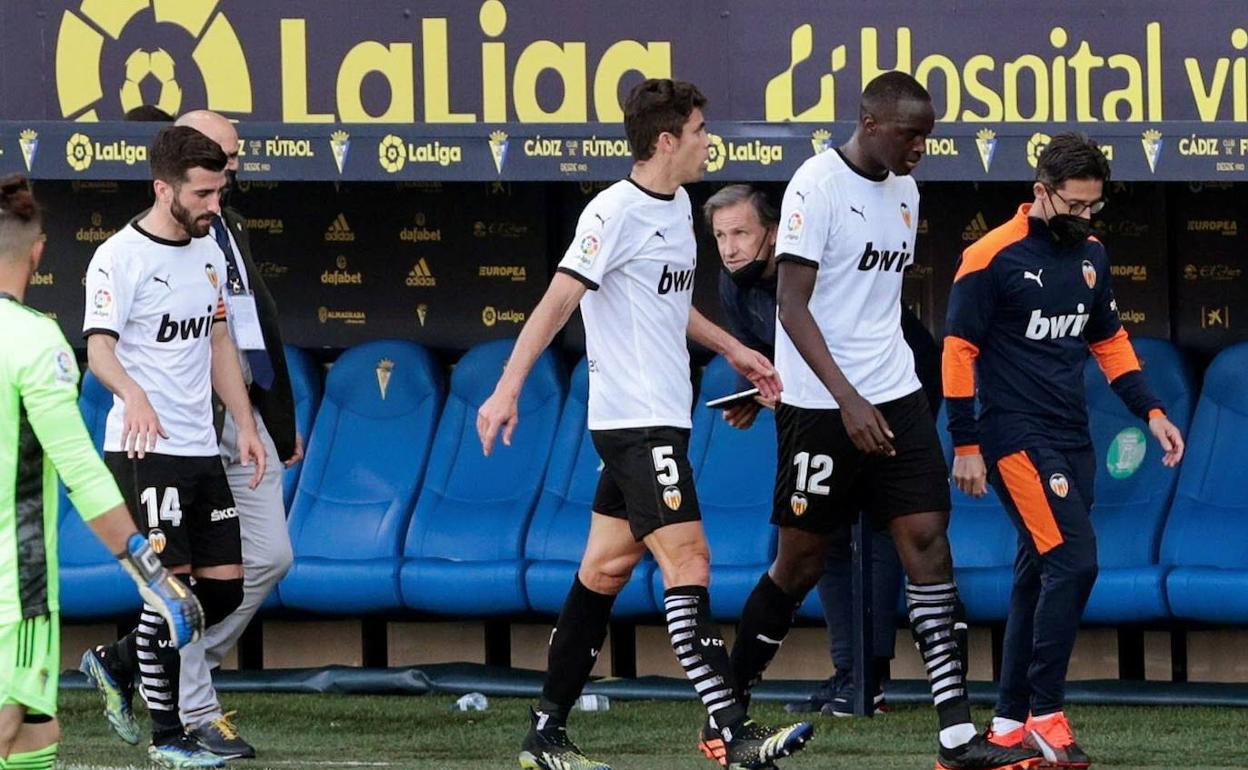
865	425
749	363
227	381
141	427
500	411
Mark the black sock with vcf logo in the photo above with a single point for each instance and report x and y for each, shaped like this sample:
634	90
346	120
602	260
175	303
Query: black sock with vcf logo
575	643
702	654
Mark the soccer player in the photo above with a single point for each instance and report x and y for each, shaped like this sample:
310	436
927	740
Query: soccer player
630	267
1029	300
41	435
156	338
855	429
261	510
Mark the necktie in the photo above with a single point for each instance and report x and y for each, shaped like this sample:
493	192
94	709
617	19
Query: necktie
257	360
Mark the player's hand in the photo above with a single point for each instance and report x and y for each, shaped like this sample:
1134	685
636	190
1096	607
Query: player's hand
251	450
1170	437
970	474
755	367
498	411
742	416
140	426
866	427
163	592
297	455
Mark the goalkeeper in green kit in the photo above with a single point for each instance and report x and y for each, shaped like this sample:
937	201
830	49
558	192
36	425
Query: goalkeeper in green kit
41	435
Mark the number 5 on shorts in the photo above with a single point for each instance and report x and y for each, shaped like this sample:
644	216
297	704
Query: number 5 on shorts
169	508
821	465
665	465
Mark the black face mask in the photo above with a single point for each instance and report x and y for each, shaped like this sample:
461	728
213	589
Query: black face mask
231	184
1069	230
752	273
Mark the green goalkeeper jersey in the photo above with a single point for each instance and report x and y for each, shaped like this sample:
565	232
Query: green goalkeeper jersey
41	433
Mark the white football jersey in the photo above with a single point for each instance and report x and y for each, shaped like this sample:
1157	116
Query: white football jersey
160	299
859	234
636	251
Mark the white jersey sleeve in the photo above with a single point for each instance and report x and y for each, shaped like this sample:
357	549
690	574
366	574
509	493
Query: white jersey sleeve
806	218
110	289
598	246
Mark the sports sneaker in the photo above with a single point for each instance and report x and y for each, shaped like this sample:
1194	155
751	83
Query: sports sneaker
118	694
220	736
823	695
1051	736
842	704
182	753
980	754
756	747
1011	740
548	747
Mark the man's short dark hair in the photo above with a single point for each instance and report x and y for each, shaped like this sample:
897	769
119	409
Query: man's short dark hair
147	113
1071	156
741	193
888	89
656	106
177	149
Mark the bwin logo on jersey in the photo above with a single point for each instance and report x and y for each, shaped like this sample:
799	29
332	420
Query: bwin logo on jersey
884	260
675	280
1041	327
189	328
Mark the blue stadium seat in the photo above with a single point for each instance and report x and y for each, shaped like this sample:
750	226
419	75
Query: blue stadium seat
305	382
560	526
366	458
1133	488
736	474
463	554
1206	537
93	584
983	541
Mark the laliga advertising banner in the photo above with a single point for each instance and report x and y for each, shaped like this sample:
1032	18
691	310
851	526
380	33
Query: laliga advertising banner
531	89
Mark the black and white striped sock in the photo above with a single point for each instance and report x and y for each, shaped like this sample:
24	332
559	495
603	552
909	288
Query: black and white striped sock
159	669
701	652
932	609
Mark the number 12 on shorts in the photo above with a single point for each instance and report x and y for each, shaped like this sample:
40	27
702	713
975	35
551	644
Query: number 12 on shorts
812	472
167	508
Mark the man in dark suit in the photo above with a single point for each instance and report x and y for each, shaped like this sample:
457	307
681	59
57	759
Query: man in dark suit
261	512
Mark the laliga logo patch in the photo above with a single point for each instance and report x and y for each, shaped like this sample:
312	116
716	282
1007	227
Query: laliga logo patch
795	223
797	503
83	36
672	498
718	154
156	538
1059	485
1035	146
78	152
1089	274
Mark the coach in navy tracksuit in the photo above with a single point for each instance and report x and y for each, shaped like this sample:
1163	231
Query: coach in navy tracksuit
1029	300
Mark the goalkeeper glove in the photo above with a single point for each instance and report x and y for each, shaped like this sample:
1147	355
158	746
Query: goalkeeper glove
163	592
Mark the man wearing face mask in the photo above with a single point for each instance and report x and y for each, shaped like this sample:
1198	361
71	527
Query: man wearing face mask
1029	301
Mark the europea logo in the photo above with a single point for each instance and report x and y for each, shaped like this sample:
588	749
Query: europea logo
1041	327
680	280
190	328
884	260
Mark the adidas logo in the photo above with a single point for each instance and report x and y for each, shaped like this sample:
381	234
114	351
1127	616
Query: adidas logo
420	275
977	229
339	231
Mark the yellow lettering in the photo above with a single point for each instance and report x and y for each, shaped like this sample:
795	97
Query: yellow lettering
871	68
1040	77
1207	101
493	18
568	61
295	75
653	60
1153	49
977	90
435	52
1083	61
1239	77
778	95
953	84
394	63
1132	95
1058	39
